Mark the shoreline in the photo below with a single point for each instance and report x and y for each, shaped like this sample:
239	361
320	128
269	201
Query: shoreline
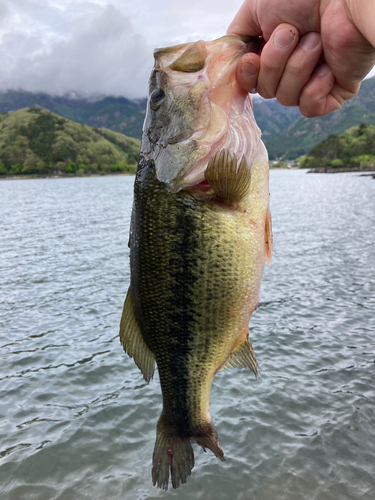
320	170
338	170
59	176
72	176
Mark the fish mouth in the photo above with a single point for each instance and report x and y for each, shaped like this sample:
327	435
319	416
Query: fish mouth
225	118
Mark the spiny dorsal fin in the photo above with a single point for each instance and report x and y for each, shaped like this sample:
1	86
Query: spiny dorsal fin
132	340
269	237
243	357
228	182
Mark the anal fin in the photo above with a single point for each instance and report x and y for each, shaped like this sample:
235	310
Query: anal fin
133	342
229	182
243	357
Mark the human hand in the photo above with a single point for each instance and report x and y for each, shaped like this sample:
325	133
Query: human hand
316	52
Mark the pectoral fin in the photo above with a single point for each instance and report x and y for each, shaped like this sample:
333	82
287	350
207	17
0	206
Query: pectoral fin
269	237
132	340
243	357
229	182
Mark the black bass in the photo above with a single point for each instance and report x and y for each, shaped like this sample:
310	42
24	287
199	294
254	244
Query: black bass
200	233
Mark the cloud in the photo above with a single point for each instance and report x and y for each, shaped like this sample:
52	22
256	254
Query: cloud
98	46
103	56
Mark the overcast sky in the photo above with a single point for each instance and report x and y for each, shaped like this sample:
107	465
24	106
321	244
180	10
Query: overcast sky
98	46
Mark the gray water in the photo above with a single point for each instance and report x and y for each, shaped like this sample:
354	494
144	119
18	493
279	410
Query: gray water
77	420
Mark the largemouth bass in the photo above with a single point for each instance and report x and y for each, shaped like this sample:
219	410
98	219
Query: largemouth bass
200	233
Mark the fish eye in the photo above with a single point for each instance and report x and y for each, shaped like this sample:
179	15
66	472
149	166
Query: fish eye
156	98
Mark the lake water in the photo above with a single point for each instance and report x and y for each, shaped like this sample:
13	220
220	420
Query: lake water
77	420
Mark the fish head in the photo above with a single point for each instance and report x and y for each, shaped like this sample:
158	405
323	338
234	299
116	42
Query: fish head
196	108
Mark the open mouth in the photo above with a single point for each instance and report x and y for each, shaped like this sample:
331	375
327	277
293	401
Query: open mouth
224	118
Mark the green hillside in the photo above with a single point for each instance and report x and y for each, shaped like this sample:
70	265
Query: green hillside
116	113
285	132
354	148
302	135
126	116
37	141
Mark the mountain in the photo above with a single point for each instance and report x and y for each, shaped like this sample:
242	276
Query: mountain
37	141
272	117
354	149
302	135
125	116
286	132
116	113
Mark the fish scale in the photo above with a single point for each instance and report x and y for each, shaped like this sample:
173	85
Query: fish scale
197	252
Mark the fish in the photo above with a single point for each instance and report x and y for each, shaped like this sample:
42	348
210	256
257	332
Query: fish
200	233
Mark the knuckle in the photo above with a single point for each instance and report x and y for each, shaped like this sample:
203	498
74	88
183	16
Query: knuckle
308	94
287	99
294	69
266	94
308	113
311	108
271	65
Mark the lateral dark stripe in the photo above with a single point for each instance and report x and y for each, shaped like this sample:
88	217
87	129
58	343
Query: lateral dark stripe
183	263
163	248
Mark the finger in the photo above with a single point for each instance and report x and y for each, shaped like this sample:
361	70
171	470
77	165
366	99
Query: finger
298	69
274	57
316	98
245	21
247	72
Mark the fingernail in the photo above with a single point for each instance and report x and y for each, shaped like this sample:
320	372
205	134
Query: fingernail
284	38
248	70
310	41
322	70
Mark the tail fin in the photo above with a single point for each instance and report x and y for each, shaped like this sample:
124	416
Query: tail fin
173	453
176	453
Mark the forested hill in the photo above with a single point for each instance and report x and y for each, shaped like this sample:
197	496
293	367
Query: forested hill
304	133
285	132
37	141
354	149
116	113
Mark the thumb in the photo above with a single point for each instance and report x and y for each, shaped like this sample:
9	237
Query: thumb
245	22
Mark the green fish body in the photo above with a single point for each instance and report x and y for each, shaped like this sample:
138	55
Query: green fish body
200	234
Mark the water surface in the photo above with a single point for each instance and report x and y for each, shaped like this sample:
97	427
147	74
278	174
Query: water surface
77	420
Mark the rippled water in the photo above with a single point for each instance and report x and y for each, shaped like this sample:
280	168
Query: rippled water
76	418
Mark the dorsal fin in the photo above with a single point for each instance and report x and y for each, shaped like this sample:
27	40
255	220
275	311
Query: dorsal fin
243	357
132	340
269	237
229	182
